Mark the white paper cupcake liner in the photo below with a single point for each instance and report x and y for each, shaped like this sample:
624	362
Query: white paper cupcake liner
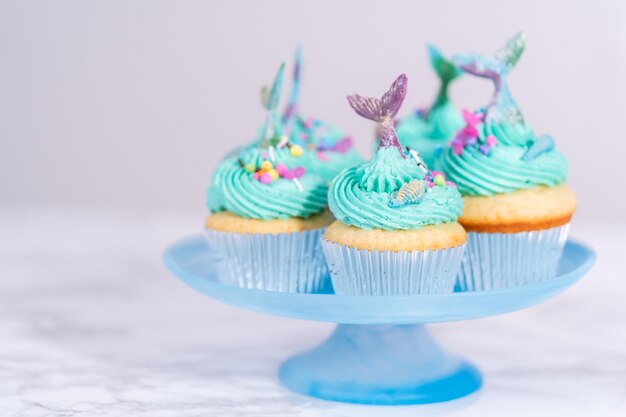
363	272
501	260
286	262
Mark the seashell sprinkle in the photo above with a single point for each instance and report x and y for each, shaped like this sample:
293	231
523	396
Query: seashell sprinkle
411	192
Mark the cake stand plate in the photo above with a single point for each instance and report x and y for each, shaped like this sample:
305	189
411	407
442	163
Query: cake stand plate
380	353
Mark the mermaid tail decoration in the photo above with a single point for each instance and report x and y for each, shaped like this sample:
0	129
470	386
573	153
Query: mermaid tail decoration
502	107
270	98
383	110
446	71
292	107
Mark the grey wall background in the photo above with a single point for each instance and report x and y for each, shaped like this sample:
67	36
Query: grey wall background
131	104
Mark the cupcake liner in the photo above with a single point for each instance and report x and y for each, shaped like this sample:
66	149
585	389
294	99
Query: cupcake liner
501	260
364	272
286	262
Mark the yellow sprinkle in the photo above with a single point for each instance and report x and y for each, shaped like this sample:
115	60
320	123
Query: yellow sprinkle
266	166
273	173
295	150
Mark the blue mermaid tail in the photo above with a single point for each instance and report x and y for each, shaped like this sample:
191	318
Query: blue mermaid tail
502	107
292	107
446	71
270	98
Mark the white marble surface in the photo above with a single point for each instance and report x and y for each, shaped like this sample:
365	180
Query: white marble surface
92	324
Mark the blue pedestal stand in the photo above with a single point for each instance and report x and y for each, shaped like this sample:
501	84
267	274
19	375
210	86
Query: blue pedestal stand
380	353
380	364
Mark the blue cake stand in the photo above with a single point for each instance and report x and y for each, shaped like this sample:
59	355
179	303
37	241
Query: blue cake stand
380	353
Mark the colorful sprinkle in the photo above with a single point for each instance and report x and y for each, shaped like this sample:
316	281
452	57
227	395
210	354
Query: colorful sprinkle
299	172
273	174
249	168
296	150
281	168
491	140
265	178
266	166
439	180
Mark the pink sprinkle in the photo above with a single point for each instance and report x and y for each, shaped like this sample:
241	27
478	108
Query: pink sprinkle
265	178
255	175
321	156
264	155
289	174
469	131
457	148
298	172
491	140
281	169
470	118
450	183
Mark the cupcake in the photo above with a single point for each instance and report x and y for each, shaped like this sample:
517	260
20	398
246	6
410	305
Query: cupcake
268	213
516	207
330	151
396	231
429	130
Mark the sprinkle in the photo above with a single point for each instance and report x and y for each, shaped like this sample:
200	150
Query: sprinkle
298	172
255	175
457	147
266	166
296	150
289	174
472	118
272	156
484	149
281	168
321	156
439	180
264	154
491	140
265	178
249	168
273	174
418	159
411	192
295	181
283	142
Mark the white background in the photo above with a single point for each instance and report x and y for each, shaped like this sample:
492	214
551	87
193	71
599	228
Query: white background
113	116
131	104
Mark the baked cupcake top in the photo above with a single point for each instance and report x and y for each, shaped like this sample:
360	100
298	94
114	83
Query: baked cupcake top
330	151
395	190
268	180
497	152
440	121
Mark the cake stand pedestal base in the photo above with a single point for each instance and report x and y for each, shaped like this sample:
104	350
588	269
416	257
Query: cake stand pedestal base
380	364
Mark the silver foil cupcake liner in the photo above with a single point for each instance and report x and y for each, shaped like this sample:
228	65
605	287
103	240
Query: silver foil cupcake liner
286	262
364	272
501	260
